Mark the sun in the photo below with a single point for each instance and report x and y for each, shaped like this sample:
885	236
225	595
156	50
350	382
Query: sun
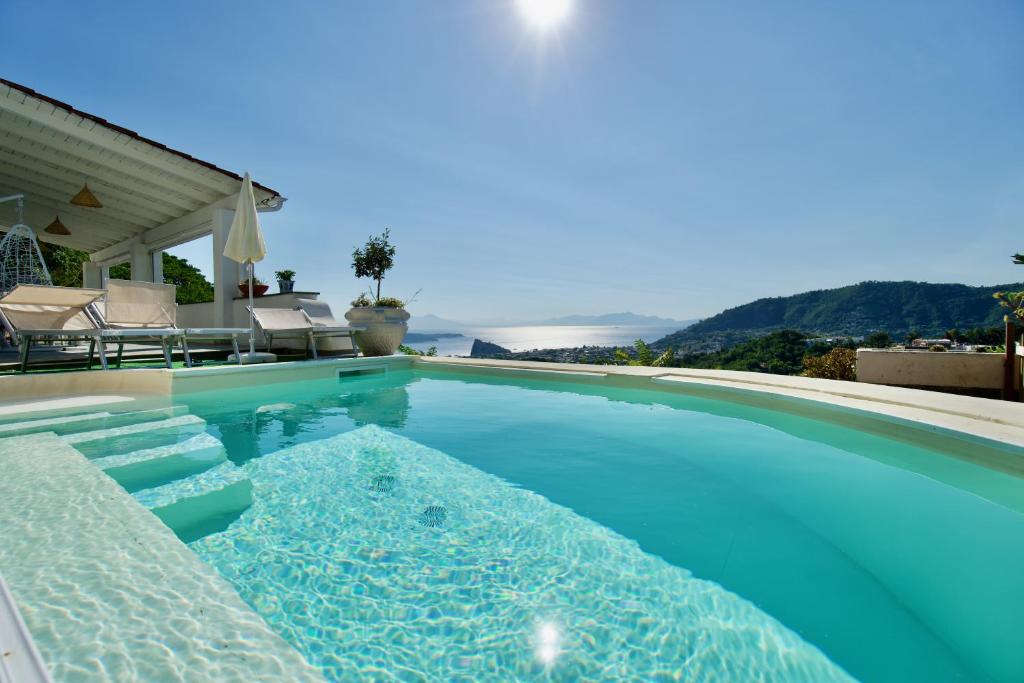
544	15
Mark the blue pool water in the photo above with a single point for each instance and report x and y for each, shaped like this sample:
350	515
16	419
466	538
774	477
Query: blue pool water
453	527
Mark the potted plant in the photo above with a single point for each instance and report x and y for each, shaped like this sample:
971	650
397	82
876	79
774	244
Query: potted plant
259	287
285	281
384	319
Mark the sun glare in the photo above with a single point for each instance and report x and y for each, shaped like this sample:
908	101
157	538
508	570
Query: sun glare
544	15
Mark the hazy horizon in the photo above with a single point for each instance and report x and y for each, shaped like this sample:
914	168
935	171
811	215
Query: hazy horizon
665	158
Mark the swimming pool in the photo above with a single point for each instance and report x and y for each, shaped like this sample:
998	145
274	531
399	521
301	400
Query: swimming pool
448	525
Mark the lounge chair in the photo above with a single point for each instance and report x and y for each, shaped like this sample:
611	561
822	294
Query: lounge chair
320	315
39	312
146	305
292	323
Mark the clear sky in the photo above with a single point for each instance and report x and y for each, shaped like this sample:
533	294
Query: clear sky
664	157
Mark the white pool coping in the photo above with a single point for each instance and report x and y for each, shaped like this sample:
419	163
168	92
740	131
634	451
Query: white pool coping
110	593
20	661
1001	421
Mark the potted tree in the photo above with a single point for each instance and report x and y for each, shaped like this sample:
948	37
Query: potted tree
384	319
285	281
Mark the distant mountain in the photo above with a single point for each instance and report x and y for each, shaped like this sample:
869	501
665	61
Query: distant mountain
618	319
856	310
433	323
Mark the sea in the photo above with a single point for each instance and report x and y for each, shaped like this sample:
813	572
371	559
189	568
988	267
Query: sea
531	337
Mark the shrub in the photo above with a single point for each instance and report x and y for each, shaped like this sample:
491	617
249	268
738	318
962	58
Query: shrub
286	275
409	351
389	301
839	363
936	347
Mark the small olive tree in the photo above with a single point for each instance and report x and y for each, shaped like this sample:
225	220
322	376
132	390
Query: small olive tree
375	259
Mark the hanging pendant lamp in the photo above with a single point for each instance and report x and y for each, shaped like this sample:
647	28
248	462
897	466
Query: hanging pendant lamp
57	228
86	198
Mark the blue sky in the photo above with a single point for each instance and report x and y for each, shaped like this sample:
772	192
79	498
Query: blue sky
671	158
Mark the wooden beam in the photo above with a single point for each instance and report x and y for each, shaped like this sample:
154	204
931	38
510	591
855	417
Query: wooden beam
88	169
111	216
26	129
62	240
43	113
114	199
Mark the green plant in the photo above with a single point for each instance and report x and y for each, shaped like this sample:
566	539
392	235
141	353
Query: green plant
409	351
1014	301
839	363
255	281
361	301
286	275
375	259
936	347
644	356
389	302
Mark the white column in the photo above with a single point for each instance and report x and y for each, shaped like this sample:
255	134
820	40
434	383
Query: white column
92	275
225	271
142	263
158	265
104	276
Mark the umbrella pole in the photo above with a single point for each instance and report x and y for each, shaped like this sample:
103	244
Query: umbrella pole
252	316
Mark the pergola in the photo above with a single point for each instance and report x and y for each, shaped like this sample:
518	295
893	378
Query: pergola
153	197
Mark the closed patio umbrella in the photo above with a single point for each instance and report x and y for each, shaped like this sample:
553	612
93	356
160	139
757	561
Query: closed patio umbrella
245	245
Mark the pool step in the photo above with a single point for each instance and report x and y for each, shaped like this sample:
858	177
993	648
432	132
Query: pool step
71	424
163	456
132	437
202	503
152	467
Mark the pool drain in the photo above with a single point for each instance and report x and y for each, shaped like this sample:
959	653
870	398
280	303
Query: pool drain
433	516
383	483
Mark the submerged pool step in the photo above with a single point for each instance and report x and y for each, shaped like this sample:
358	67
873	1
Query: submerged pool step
152	467
71	424
132	437
202	503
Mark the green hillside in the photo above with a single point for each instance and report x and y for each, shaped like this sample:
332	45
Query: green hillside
856	310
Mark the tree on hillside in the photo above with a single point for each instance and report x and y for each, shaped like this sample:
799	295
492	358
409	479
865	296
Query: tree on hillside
65	266
878	340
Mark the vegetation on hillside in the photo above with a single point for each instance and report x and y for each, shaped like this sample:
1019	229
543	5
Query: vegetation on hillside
65	266
857	310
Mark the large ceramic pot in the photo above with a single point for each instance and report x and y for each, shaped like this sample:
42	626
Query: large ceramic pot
385	328
286	286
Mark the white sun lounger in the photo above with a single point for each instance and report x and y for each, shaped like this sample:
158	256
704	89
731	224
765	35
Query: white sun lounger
39	312
320	315
135	304
292	323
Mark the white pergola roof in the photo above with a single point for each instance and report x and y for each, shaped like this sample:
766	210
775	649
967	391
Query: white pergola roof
152	195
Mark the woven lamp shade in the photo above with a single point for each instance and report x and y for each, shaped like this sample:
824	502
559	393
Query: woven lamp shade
86	198
57	228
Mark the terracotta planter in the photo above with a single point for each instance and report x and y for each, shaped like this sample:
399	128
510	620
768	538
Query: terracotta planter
385	328
257	290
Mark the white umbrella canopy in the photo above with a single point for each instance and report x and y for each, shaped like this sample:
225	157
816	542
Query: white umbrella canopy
245	240
245	245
